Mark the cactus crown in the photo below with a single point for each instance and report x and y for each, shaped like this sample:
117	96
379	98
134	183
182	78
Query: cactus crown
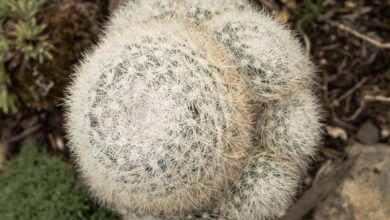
193	108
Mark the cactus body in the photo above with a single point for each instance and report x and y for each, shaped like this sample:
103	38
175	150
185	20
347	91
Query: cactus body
197	109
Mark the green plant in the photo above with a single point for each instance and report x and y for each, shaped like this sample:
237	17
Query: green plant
31	42
310	12
7	100
206	111
24	9
38	186
30	39
27	39
5	11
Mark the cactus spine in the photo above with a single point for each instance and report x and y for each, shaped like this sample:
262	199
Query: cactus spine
198	109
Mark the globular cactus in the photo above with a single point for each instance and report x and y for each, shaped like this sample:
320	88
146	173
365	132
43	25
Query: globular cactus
195	11
193	109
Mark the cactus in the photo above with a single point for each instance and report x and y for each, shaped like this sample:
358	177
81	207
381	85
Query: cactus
190	110
193	11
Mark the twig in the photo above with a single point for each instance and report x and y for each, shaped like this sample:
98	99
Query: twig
336	102
21	135
380	98
366	38
328	178
338	122
357	112
367	99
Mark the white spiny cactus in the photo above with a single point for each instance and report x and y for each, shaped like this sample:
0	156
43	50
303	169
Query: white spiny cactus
264	52
264	188
197	109
191	10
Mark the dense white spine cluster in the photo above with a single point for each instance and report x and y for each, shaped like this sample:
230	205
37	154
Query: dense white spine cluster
193	109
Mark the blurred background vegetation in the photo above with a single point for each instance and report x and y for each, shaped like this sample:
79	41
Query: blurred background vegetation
42	40
39	186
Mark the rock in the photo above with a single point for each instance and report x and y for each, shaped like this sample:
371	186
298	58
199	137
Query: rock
368	133
365	193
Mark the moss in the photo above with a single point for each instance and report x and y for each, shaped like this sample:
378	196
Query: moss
36	185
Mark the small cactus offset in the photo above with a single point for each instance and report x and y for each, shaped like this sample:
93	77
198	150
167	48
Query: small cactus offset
193	109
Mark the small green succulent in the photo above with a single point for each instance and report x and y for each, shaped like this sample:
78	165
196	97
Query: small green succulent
27	39
7	100
31	41
25	9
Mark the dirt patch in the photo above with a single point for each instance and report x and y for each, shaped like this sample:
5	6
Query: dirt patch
365	194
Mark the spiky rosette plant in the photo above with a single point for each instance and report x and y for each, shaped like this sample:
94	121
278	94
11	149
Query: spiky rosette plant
193	109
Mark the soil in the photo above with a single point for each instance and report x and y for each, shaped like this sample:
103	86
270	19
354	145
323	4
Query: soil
365	193
346	40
